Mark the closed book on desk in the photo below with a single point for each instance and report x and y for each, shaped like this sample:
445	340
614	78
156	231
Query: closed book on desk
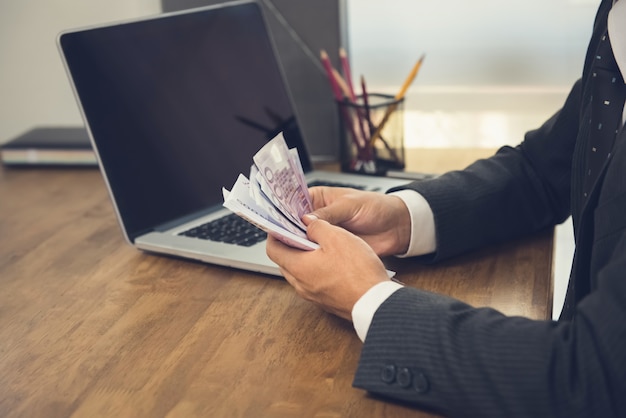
56	146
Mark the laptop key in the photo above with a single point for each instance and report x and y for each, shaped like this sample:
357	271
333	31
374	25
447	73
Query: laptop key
230	229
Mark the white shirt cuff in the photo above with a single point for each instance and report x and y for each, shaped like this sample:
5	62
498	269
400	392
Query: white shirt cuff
423	239
364	309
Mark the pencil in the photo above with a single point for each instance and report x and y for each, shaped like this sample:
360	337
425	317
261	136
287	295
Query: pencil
346	71
410	78
345	63
368	150
399	96
343	85
331	78
366	105
370	124
339	97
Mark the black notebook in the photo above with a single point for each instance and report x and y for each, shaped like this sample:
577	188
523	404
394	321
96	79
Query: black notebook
49	146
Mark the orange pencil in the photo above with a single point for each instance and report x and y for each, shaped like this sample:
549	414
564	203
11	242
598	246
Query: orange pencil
399	96
410	78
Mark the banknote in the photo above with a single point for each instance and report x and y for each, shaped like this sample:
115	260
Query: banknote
265	202
240	200
275	196
266	191
283	177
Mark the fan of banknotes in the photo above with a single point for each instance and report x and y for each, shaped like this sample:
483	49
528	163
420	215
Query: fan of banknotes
276	196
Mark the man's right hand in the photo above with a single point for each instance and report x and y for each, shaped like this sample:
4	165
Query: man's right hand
383	221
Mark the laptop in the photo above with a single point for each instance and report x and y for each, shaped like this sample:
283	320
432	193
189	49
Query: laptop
176	105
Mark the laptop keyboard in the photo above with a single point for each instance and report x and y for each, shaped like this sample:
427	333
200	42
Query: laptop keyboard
233	229
230	229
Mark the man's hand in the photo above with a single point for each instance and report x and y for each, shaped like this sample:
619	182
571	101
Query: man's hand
336	275
383	221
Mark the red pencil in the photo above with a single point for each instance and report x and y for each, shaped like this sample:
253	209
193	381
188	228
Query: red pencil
346	72
340	97
366	106
331	78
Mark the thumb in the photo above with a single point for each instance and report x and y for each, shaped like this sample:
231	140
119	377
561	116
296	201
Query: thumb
308	218
318	230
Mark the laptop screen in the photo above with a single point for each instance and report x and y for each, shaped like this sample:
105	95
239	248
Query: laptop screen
177	106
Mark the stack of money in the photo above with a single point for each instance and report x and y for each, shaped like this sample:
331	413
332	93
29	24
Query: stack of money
276	196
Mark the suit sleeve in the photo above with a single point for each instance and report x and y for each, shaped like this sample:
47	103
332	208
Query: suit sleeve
443	355
517	191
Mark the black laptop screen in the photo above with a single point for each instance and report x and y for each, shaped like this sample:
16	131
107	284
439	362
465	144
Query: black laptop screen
177	106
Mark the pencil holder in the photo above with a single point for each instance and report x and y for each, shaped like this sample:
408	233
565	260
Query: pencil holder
372	134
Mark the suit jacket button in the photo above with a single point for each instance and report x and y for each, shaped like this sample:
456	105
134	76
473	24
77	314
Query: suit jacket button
388	373
420	383
405	377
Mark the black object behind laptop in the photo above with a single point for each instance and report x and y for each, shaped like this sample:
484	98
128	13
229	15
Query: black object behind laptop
176	106
49	146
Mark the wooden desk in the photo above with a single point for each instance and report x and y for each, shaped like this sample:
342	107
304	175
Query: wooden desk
92	327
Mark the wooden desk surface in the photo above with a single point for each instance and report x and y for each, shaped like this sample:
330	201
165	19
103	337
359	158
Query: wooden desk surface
91	327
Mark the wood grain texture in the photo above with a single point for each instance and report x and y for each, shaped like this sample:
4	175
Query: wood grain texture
91	327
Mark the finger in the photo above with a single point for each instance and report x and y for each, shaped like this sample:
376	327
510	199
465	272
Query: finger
279	252
308	218
295	283
291	280
336	212
321	231
322	197
319	196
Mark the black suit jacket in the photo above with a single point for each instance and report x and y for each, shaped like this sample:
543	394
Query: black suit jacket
441	354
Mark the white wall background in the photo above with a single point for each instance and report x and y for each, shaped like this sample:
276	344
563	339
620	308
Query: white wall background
33	86
477	43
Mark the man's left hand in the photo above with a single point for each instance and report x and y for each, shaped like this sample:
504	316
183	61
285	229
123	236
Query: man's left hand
334	276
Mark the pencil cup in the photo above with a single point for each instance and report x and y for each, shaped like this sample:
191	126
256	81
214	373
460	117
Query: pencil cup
372	137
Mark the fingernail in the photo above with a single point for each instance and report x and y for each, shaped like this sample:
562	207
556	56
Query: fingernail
310	217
